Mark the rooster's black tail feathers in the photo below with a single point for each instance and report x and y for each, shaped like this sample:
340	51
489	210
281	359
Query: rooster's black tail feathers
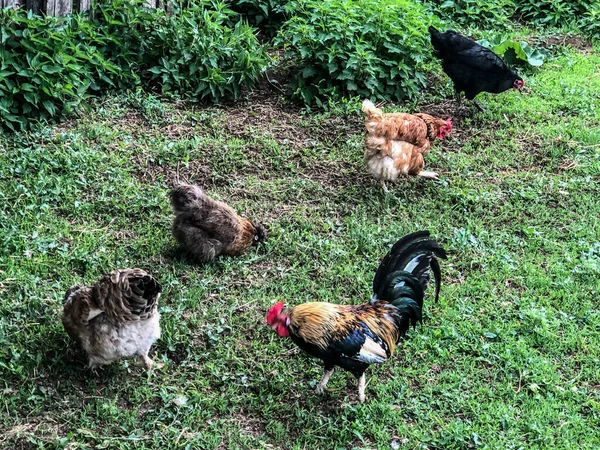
403	275
415	254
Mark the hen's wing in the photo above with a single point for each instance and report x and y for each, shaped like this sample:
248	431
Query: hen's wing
79	308
453	47
481	58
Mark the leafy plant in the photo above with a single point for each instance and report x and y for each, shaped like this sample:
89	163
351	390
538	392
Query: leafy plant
194	53
349	48
267	15
590	22
516	52
550	12
50	66
44	72
475	12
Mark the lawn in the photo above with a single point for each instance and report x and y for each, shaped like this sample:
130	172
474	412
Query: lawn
508	358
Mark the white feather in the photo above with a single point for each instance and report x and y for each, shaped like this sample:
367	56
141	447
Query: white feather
93	313
371	352
413	263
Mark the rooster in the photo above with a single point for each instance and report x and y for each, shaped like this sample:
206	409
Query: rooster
115	318
207	228
396	142
354	337
472	67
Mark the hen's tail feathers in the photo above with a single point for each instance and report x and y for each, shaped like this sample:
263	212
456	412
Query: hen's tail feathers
434	34
411	258
433	30
187	196
437	41
127	294
370	110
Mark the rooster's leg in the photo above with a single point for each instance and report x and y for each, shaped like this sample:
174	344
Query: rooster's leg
384	186
323	383
362	382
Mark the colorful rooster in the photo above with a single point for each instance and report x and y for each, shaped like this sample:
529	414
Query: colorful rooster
354	337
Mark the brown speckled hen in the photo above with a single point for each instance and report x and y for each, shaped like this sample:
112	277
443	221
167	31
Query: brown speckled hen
115	318
396	142
207	228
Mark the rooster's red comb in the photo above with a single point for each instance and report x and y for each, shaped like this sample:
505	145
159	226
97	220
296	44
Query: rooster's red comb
449	125
274	312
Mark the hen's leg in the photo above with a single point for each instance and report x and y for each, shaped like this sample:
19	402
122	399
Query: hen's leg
148	363
362	382
458	98
429	175
384	186
323	383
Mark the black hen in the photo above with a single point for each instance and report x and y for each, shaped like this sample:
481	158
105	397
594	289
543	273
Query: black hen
472	67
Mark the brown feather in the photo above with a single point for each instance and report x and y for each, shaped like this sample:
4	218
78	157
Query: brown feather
396	142
207	228
319	322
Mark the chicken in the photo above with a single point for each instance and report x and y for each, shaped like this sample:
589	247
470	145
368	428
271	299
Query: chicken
396	142
207	228
353	337
115	318
472	67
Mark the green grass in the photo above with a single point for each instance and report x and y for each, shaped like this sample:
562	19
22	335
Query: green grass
508	358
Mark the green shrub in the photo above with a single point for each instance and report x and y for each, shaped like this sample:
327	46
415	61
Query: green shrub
45	72
123	27
49	66
551	12
267	15
590	22
369	48
194	53
470	13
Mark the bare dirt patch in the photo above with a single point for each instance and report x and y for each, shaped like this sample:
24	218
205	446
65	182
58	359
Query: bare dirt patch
268	119
576	42
196	172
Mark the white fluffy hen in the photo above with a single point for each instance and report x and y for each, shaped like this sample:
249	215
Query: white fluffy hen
115	318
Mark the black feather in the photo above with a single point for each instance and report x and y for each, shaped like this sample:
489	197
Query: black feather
390	261
412	246
472	67
403	275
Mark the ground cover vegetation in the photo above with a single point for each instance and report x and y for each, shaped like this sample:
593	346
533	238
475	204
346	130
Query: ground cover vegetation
508	357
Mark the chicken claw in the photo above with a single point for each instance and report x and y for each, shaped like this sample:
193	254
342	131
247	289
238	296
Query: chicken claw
320	389
429	175
149	364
